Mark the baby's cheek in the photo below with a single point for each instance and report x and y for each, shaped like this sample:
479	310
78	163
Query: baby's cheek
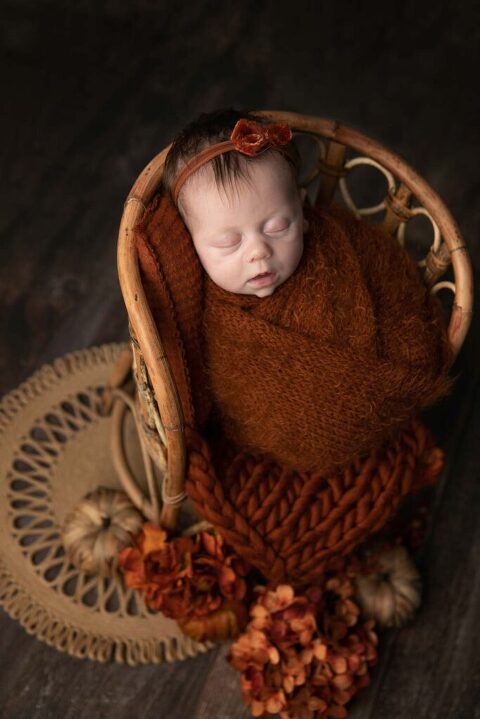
293	250
213	263
225	272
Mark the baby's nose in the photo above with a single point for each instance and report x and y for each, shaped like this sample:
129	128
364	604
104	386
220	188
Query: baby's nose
259	250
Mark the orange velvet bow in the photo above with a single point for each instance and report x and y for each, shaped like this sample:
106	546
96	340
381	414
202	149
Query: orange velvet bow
250	138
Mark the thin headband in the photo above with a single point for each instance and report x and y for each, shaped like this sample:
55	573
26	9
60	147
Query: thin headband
248	137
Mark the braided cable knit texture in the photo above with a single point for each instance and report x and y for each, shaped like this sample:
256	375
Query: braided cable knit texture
290	524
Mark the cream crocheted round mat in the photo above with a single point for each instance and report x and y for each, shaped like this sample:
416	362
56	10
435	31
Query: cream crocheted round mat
54	448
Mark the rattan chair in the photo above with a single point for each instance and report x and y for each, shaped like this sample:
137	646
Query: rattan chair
338	150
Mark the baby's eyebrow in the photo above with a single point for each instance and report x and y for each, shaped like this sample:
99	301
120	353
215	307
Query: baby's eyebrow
226	230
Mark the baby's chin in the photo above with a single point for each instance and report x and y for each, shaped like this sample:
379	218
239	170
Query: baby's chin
264	291
250	290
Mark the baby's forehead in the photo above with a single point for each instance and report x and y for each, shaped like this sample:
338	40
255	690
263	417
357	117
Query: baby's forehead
269	180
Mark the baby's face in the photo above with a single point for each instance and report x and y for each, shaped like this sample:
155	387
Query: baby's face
257	227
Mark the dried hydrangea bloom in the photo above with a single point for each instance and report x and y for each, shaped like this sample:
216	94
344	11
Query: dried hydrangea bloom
189	578
304	656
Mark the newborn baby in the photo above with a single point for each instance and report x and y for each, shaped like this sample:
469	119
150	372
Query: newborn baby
320	337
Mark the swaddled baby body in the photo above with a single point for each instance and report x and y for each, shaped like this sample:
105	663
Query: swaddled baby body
320	338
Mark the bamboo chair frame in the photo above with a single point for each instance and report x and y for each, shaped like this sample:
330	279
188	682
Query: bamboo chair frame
161	418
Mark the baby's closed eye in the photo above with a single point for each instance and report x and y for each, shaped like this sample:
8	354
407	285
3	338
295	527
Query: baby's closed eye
229	241
275	226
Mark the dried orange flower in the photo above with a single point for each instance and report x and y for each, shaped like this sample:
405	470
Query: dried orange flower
224	623
189	579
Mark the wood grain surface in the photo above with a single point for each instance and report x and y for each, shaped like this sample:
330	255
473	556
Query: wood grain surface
91	91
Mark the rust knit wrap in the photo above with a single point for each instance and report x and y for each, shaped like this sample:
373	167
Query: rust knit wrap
313	440
338	357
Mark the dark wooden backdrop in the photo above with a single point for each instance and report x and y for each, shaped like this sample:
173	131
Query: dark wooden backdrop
90	91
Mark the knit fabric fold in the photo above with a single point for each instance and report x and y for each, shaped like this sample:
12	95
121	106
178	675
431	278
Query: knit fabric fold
173	279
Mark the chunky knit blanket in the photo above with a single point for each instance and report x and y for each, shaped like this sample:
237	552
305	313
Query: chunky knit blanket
300	407
293	526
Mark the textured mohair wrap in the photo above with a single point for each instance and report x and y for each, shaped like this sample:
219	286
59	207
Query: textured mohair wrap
347	349
300	408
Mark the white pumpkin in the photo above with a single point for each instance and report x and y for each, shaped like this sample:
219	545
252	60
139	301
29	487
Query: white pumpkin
98	529
391	596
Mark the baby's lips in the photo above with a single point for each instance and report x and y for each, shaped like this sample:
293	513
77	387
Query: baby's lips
261	274
264	279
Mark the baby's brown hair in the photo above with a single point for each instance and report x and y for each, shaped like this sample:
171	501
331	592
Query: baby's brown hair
209	129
